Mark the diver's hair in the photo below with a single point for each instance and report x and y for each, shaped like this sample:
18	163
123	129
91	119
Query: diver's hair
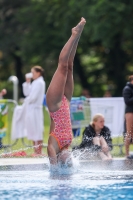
130	78
95	118
39	69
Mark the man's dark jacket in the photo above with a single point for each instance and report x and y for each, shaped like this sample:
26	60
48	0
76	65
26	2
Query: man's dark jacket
128	97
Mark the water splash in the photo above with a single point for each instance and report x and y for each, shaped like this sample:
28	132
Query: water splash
68	162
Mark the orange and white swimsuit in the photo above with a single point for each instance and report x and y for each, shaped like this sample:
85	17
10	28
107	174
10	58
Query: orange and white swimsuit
63	130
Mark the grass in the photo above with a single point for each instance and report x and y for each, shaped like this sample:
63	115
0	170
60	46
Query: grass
19	146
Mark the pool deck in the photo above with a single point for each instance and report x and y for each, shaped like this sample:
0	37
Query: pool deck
37	164
28	161
21	161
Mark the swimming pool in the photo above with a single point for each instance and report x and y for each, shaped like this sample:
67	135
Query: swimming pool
92	180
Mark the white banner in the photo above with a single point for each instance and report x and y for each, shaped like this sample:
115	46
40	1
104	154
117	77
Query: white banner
113	109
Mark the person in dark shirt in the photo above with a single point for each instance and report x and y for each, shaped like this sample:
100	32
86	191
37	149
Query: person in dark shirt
128	98
97	138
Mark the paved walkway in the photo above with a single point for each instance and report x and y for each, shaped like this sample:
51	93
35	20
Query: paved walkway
27	161
22	161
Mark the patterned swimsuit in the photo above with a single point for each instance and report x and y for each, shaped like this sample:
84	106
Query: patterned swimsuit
63	130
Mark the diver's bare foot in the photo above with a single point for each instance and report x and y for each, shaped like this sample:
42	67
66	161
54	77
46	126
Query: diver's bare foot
83	21
78	29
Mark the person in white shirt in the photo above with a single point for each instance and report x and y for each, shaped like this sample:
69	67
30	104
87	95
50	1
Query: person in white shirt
28	119
34	93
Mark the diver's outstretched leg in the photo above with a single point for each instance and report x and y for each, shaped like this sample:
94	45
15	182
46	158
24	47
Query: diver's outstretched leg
56	88
69	82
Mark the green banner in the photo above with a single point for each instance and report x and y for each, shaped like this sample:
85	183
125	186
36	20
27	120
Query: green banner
3	119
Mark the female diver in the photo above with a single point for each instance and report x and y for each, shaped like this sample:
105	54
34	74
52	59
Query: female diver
58	97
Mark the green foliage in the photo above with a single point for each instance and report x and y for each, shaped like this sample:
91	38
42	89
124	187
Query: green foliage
110	34
36	30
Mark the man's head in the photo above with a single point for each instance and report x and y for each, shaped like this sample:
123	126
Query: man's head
131	79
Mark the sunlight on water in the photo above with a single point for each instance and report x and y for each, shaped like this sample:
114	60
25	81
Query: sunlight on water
80	185
69	180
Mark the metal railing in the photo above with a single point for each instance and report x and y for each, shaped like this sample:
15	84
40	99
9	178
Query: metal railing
7	107
81	117
6	111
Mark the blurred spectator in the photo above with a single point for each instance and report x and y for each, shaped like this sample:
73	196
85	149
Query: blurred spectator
34	93
128	98
28	119
76	132
107	94
2	93
86	93
97	138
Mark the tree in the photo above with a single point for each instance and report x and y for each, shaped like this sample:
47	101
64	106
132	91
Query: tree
34	31
110	32
10	36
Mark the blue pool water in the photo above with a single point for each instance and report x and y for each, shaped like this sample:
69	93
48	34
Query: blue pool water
87	182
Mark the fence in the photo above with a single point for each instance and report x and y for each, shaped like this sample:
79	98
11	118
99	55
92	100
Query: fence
113	109
7	107
81	110
6	111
